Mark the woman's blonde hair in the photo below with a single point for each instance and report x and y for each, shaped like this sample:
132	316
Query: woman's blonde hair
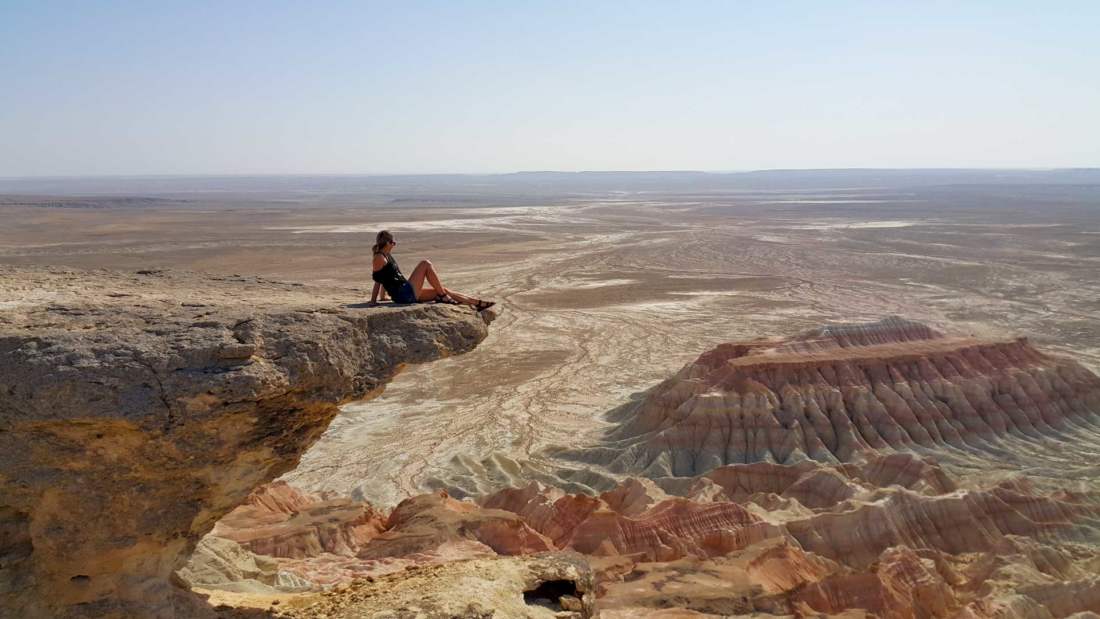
384	238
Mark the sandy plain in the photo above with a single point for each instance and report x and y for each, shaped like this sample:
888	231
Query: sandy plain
608	285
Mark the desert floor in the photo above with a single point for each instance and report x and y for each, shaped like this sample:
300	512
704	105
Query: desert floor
604	293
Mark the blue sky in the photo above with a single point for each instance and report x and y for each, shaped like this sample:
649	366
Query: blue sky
89	88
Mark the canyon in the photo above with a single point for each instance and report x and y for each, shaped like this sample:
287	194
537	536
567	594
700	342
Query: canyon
725	510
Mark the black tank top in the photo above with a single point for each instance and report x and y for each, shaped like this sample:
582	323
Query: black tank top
390	277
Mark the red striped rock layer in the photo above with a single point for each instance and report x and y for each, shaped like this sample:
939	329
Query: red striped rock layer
323	540
849	513
423	523
1018	579
775	578
281	521
893	535
846	394
838	512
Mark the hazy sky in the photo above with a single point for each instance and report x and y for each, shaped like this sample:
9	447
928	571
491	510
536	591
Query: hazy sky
357	87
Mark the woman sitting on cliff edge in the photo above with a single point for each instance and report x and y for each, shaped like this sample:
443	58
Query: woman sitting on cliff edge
389	280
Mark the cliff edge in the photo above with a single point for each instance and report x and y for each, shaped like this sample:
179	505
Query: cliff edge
136	409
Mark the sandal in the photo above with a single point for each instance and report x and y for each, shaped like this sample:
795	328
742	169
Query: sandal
445	298
483	305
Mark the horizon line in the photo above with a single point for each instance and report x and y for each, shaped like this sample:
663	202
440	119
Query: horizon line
562	172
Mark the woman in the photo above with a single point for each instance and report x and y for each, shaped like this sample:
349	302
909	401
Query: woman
388	278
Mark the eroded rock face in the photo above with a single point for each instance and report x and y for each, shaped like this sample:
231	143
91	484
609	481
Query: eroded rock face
423	523
752	538
755	538
834	393
136	409
222	563
540	586
833	511
280	521
956	494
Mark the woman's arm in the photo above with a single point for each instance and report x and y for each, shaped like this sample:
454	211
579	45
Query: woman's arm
378	291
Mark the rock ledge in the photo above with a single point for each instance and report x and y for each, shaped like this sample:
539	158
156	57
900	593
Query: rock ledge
138	408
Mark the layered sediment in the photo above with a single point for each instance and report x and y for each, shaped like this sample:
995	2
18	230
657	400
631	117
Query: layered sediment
281	521
844	470
136	409
835	393
894	536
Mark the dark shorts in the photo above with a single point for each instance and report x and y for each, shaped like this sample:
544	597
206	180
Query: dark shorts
405	294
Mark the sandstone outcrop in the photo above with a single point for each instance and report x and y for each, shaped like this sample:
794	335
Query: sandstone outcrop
136	409
540	586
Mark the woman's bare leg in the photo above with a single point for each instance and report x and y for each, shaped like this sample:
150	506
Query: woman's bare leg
427	293
425	270
462	298
422	271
